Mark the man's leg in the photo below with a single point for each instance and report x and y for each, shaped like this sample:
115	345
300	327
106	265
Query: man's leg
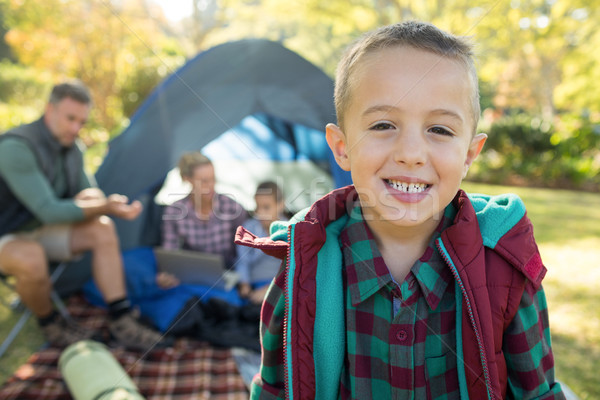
99	236
26	261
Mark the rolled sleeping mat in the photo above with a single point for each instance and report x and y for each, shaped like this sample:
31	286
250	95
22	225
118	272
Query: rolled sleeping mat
92	373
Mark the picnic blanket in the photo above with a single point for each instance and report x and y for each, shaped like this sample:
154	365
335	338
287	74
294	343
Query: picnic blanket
189	370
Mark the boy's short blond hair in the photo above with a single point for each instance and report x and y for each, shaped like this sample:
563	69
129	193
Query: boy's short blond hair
418	35
190	161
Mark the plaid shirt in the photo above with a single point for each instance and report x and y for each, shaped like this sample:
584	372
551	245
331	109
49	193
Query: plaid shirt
181	227
400	338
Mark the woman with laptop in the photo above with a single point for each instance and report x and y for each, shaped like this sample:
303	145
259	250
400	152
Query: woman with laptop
204	220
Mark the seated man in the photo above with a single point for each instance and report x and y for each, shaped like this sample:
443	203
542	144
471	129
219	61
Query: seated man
50	211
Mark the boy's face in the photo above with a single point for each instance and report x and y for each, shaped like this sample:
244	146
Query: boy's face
268	209
408	136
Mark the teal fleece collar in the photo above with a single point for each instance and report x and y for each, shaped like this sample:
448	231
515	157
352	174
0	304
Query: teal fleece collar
496	215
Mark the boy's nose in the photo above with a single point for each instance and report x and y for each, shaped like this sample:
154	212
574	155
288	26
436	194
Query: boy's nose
410	149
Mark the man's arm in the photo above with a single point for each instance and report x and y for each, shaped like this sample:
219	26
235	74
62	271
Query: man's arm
19	168
115	205
528	351
21	172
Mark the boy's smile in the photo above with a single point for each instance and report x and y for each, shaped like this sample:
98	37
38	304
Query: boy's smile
408	136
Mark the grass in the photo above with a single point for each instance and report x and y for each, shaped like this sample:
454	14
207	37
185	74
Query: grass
26	343
567	229
559	216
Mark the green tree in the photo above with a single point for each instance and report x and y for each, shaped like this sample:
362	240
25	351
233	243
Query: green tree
116	48
5	52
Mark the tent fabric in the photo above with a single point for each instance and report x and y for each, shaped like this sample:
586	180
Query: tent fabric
209	95
212	94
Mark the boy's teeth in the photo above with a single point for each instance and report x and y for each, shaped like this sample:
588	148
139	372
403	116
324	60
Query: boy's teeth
407	187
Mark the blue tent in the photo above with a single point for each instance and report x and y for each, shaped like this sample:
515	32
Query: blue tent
257	109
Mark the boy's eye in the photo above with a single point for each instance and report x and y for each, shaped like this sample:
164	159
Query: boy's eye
441	131
382	126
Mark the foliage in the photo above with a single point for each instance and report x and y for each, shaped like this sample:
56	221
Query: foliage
22	94
318	30
530	151
119	55
535	56
5	52
119	51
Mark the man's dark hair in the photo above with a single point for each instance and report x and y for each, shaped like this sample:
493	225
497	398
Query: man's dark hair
74	89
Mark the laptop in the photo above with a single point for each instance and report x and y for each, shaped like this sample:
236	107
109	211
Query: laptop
196	268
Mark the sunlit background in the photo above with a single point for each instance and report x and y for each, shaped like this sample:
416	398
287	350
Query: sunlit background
539	69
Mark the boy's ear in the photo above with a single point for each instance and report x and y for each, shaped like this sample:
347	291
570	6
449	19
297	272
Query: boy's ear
474	149
337	143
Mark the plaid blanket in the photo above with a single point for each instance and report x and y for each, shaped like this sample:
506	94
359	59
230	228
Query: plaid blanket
189	370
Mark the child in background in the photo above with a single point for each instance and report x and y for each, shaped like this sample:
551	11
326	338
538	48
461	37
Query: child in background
255	268
403	286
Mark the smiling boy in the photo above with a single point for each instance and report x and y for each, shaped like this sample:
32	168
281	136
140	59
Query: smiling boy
408	139
402	286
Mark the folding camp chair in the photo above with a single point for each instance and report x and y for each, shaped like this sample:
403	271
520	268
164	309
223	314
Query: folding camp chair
17	305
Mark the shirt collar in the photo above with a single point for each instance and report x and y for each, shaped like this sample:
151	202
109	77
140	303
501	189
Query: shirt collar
366	272
432	275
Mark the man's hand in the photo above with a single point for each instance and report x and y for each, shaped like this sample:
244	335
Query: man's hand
93	203
117	205
90	194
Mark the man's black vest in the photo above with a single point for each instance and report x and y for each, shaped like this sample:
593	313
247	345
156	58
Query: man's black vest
13	214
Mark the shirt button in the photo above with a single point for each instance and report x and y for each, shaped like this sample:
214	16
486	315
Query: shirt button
411	284
401	335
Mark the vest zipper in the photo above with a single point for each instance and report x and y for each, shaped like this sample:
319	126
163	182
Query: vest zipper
286	315
450	263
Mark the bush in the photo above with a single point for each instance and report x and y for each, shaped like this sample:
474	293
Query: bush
23	93
522	150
